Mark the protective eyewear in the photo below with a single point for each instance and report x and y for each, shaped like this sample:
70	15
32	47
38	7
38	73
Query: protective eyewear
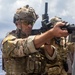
28	23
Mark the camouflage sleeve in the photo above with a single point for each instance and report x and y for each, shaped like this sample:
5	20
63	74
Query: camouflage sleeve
70	46
18	47
54	54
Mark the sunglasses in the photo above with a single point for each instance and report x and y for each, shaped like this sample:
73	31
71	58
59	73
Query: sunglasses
28	23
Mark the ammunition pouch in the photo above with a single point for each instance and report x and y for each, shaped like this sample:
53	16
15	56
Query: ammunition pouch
54	70
35	63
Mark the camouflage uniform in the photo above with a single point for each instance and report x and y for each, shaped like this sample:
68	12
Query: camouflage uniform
20	55
71	50
70	47
57	68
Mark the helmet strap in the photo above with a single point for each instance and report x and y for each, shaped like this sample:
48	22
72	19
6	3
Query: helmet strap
19	27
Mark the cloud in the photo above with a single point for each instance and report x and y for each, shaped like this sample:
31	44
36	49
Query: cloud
61	8
70	8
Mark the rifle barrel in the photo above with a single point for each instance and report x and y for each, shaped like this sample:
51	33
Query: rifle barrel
46	8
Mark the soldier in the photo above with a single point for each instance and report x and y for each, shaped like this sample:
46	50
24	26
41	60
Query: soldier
71	51
70	57
22	52
59	67
73	70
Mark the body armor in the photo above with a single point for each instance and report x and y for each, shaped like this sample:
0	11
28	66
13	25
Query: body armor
33	64
30	64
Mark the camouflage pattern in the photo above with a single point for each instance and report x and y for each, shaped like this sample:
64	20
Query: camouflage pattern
25	13
71	53
57	67
71	49
55	20
21	57
71	46
70	58
19	53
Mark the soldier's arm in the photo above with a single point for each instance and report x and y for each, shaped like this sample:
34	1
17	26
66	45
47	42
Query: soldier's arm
21	47
71	50
18	47
56	31
70	46
50	52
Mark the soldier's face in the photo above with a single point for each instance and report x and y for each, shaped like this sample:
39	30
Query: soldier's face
26	28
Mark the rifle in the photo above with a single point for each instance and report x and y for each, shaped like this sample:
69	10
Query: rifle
69	27
45	19
47	25
45	22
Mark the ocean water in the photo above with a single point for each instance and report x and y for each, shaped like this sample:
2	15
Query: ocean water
1	71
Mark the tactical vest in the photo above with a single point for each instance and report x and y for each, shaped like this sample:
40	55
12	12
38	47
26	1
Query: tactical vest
62	57
57	67
33	64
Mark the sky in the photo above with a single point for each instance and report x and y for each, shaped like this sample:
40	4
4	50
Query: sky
60	8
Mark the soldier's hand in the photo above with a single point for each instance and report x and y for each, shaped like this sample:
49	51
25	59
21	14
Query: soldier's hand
58	32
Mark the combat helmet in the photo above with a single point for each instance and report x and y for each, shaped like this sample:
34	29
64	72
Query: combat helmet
25	13
55	20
